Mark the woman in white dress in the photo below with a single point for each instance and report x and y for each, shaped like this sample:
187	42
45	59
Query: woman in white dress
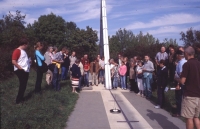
139	78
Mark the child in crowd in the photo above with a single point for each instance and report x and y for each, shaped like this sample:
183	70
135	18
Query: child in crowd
115	75
162	83
139	78
122	72
86	68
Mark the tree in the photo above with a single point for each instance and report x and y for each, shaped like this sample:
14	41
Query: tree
49	28
11	30
191	37
128	44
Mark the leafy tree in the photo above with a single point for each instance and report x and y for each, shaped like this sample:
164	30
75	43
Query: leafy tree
191	37
49	28
128	44
11	30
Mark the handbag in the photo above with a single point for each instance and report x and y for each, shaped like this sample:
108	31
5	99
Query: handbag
43	68
51	67
140	76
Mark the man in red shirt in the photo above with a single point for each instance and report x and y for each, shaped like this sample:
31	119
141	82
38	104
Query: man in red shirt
190	77
21	68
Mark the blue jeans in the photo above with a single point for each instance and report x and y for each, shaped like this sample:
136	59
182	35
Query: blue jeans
86	78
80	82
147	81
64	73
123	81
115	82
56	79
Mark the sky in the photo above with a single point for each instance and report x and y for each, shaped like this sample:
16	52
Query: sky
161	18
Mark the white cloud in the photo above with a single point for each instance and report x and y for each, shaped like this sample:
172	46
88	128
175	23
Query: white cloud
166	29
166	20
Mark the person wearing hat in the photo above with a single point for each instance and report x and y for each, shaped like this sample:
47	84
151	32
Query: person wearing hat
179	92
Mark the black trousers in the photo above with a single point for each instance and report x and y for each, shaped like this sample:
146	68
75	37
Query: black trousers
161	96
23	78
126	82
134	86
178	97
38	81
172	69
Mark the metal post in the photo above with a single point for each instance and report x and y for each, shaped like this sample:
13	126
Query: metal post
101	34
106	46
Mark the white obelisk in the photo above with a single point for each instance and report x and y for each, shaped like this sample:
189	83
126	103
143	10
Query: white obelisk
106	46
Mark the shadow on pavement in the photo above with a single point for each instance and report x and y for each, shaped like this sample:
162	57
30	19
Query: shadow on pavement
162	120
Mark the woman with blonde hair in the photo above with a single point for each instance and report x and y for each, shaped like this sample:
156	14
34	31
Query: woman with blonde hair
39	62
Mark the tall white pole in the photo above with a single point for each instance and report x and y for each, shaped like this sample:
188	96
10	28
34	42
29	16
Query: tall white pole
106	46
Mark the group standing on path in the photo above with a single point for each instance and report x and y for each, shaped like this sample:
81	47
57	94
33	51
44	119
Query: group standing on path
137	74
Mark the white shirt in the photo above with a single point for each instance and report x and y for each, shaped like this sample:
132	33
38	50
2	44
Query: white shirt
23	61
81	68
102	63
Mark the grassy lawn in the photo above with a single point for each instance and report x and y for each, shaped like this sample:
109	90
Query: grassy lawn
170	102
50	110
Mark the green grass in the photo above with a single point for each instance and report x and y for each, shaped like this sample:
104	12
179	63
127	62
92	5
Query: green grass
170	102
50	110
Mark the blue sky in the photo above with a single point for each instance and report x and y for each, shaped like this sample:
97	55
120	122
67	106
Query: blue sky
161	18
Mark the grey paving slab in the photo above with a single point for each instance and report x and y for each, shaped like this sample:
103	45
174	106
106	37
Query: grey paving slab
87	88
157	118
89	113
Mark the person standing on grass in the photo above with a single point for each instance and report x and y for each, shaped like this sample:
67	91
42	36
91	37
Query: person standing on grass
21	67
57	61
76	74
172	63
39	59
122	72
147	70
190	77
179	87
48	60
139	78
161	83
65	65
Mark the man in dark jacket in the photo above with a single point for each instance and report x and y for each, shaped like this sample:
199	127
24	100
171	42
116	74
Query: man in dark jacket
162	83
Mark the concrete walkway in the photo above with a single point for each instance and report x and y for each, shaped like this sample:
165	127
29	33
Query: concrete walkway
92	111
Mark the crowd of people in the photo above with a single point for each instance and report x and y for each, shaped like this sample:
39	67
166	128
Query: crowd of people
180	67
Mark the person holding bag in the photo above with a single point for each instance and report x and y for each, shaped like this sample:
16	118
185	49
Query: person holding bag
41	67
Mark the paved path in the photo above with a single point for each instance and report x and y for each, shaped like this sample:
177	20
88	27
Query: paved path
92	111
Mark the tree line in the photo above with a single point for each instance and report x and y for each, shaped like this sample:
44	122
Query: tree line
49	29
54	30
125	42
